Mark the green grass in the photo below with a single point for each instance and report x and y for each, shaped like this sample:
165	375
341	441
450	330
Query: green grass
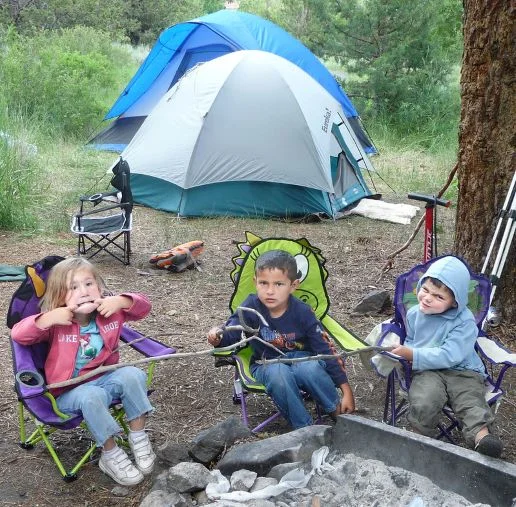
62	171
73	171
38	193
406	167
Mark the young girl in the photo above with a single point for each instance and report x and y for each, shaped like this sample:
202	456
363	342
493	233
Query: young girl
83	329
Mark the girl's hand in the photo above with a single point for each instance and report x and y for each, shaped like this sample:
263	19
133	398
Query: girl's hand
215	336
58	316
109	305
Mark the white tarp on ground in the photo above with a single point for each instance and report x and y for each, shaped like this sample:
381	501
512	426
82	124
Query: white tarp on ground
381	210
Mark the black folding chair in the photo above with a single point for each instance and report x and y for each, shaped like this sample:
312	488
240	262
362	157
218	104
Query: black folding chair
106	227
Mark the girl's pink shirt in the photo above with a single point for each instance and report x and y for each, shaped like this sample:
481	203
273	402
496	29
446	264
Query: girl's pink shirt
64	340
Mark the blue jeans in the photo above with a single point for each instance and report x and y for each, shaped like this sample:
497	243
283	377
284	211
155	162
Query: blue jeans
92	400
283	383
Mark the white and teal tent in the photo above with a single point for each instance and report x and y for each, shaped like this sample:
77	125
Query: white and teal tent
247	134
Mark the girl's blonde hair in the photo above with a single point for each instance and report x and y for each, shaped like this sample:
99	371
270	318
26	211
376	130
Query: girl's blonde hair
59	278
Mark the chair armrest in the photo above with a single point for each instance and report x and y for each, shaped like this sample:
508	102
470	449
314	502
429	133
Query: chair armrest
29	382
100	210
494	352
95	198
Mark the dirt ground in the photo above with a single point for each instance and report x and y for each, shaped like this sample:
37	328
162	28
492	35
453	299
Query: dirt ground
191	394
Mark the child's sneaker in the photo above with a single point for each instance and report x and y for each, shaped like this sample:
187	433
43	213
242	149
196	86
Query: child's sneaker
119	467
142	451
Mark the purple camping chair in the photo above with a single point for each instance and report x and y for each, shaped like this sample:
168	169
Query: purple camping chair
28	365
497	360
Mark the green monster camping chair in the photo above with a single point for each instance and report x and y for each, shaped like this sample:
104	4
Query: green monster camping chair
104	220
311	290
497	359
37	408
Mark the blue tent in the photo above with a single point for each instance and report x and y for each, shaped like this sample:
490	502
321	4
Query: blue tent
182	46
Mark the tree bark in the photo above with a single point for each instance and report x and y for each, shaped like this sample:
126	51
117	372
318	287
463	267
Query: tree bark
487	137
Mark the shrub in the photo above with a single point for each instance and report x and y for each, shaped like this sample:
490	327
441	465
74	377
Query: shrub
62	80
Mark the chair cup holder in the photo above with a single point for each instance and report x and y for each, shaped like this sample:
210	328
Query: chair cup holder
27	378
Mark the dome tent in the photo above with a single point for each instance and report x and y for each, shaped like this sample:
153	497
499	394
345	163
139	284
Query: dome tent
182	46
246	134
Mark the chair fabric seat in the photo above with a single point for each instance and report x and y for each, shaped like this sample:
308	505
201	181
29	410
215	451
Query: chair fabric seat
101	225
311	290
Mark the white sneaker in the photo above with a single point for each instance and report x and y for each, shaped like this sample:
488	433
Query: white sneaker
144	456
120	468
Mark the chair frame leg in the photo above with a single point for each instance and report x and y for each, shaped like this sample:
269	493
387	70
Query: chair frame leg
42	432
392	412
103	244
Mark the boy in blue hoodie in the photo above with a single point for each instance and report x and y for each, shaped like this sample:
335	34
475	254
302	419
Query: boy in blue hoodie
440	343
294	330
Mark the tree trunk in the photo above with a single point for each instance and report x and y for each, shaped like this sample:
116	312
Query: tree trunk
487	138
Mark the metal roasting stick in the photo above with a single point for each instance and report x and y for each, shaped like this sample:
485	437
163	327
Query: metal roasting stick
372	348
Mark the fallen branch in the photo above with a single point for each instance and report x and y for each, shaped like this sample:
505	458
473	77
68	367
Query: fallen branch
243	327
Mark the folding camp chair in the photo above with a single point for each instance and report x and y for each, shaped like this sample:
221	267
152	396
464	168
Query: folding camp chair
311	290
497	360
107	225
34	400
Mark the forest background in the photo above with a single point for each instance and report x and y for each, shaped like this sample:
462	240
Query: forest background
64	62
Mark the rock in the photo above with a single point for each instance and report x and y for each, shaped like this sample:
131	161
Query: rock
210	443
278	471
172	453
263	482
188	477
242	480
261	456
372	303
160	498
201	497
161	482
120	491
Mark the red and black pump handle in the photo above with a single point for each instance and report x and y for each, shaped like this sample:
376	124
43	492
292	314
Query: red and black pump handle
430	247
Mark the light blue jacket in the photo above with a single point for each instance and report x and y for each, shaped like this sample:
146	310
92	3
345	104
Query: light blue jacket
445	340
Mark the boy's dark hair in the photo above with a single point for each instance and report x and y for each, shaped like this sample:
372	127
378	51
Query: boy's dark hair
278	259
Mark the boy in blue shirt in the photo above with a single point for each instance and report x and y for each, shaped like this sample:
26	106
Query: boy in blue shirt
440	343
293	329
